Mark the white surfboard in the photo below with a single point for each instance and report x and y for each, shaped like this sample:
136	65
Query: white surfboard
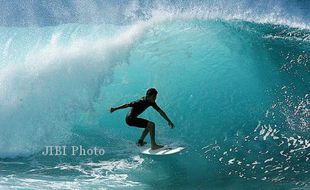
166	150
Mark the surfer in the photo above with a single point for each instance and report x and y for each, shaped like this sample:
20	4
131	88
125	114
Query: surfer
137	107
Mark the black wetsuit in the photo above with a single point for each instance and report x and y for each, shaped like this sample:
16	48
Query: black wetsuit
137	108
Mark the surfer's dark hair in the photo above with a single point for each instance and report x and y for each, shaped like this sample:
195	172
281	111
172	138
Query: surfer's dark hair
151	91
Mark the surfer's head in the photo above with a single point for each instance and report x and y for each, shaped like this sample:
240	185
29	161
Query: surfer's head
151	94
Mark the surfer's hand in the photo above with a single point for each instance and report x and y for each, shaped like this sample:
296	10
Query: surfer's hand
112	110
171	124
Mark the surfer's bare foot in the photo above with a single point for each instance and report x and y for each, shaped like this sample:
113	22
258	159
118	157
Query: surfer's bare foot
141	143
156	146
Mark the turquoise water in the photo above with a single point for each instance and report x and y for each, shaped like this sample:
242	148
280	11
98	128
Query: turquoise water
237	91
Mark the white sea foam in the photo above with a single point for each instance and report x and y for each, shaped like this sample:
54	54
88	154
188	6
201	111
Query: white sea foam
104	175
40	95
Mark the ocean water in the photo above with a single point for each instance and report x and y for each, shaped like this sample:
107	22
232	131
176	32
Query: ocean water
233	76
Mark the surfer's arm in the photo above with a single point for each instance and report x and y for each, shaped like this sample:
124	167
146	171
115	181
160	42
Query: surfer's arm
131	104
119	107
164	115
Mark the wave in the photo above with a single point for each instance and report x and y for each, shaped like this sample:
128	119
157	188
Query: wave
235	83
290	13
51	84
232	87
56	79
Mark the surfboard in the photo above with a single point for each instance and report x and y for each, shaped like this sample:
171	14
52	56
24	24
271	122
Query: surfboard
166	150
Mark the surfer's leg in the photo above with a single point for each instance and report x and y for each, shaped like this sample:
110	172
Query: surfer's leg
141	123
144	133
151	128
137	122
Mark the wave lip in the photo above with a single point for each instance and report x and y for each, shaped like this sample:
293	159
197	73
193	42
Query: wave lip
290	13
